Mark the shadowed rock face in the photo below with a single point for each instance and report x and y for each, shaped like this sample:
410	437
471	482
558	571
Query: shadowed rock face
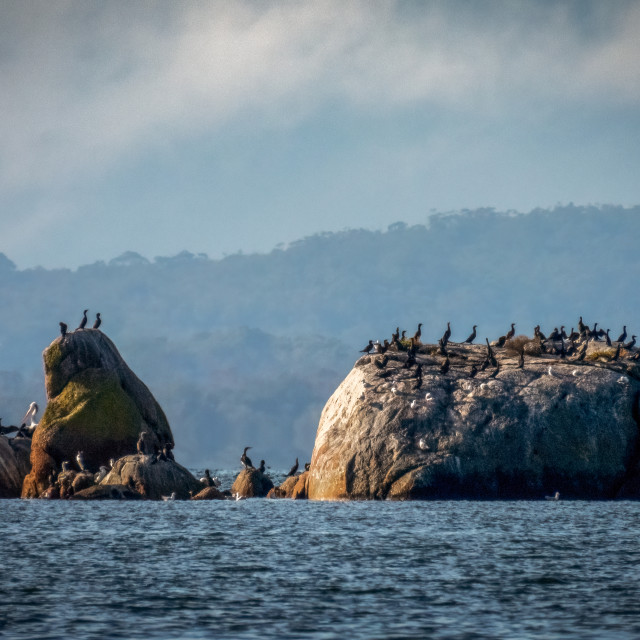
96	404
14	465
520	433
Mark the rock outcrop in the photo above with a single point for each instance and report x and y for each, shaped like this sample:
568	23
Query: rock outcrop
153	480
107	492
294	487
209	493
251	483
553	425
96	404
15	464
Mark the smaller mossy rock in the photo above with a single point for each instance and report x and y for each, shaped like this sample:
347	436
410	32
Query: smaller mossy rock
251	483
107	492
294	487
153	479
210	493
14	465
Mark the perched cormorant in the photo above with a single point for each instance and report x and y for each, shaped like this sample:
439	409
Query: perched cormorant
402	337
595	333
411	360
511	332
607	338
140	445
521	361
207	479
307	466
442	347
563	333
447	333
246	460
581	326
292	471
583	351
574	335
63	329
472	337
98	321
368	348
617	353
418	333
555	334
80	461
623	336
501	340
381	363
419	371
83	322
444	367
631	343
484	365
262	468
395	336
489	349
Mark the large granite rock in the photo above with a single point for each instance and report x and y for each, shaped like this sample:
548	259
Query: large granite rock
96	404
153	480
554	425
15	464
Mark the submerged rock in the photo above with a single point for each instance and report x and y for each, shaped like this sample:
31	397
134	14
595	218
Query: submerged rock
554	425
96	404
15	464
251	483
209	493
152	480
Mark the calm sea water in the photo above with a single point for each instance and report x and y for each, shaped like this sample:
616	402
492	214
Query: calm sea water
284	569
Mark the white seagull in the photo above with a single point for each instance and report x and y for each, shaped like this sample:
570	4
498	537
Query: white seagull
173	496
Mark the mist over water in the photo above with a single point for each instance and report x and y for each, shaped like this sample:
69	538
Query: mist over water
283	569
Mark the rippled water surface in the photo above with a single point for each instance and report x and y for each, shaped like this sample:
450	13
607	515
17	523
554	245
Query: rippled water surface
283	569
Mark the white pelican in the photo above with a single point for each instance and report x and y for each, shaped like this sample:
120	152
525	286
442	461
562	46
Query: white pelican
29	419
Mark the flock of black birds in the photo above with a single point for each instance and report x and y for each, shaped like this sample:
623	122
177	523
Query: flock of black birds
573	345
247	464
83	323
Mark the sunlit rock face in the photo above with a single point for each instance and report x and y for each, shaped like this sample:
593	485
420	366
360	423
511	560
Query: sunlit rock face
553	425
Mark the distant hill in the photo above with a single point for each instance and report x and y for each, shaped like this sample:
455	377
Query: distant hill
245	350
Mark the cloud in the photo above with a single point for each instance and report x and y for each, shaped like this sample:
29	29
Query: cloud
89	84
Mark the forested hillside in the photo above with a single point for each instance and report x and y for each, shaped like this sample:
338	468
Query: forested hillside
245	350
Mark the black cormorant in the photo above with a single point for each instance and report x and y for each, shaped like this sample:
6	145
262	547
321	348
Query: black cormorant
368	348
447	333
418	333
63	329
501	340
245	459
623	336
617	353
607	338
83	322
444	367
512	331
521	361
631	344
472	337
98	321
262	468
292	471
581	326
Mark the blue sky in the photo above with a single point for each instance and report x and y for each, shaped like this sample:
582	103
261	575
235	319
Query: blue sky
225	126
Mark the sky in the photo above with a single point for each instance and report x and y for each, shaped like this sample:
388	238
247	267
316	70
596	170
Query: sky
218	127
